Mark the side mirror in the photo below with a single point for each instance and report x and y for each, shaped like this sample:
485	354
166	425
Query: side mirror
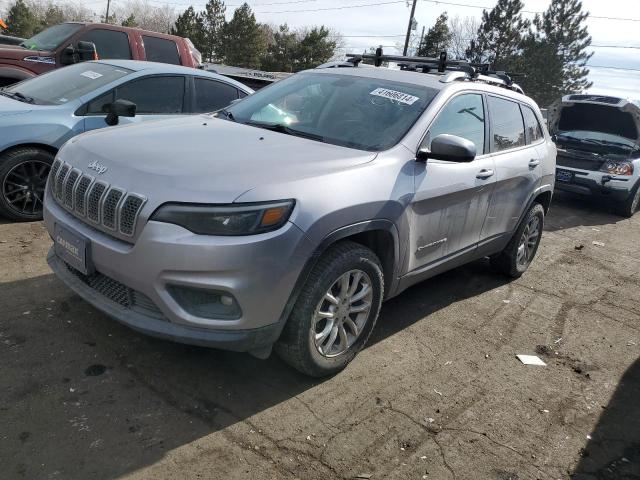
450	148
86	51
117	109
68	55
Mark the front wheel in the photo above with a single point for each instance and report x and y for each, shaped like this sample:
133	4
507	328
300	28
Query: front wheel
630	206
23	176
335	312
515	259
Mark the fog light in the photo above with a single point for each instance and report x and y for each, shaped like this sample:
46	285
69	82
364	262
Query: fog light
205	303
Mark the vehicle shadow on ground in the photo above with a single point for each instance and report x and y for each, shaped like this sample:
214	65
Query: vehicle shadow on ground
569	211
154	395
613	452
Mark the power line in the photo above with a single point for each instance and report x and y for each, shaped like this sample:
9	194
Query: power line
614	68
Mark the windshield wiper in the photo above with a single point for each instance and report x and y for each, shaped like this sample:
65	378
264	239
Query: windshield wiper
228	115
280	128
17	96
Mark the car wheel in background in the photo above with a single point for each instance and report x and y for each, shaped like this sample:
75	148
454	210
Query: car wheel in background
23	176
630	205
336	311
514	260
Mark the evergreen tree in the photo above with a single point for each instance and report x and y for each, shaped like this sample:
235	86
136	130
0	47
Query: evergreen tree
563	28
214	23
21	22
500	35
437	39
244	42
281	50
190	25
316	47
130	21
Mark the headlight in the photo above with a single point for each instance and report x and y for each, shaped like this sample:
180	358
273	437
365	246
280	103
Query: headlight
618	168
229	220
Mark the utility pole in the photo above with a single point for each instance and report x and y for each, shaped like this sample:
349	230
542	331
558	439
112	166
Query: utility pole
421	40
106	19
406	41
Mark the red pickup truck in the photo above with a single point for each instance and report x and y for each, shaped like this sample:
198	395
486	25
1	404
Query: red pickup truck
66	43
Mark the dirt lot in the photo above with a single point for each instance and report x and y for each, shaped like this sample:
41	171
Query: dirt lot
437	394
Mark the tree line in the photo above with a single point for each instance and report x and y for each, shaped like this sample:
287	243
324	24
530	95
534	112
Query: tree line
240	41
550	52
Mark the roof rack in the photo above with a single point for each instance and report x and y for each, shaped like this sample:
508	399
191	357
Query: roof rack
461	70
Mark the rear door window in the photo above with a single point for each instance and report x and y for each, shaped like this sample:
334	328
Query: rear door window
507	126
109	43
213	95
532	125
161	50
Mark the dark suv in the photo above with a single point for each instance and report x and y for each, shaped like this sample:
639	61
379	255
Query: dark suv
61	45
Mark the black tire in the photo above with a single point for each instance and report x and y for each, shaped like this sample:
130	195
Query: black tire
507	261
24	167
630	206
296	345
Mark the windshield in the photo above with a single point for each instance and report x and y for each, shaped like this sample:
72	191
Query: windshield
357	112
66	84
52	37
594	136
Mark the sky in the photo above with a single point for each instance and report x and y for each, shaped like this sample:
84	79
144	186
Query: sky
363	24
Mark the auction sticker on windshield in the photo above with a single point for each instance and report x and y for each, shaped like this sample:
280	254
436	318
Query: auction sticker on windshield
90	74
394	95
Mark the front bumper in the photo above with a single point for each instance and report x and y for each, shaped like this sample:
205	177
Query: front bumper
599	184
260	271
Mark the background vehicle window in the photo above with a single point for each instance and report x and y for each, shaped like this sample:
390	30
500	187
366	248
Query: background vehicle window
109	44
161	50
99	104
462	116
69	83
155	95
534	131
506	124
212	95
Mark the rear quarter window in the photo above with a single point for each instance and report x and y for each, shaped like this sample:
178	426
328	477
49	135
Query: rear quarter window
532	125
161	50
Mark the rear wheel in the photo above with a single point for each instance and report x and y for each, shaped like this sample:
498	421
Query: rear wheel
335	312
630	206
521	249
23	176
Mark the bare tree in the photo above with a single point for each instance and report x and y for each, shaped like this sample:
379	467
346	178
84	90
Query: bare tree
463	30
148	16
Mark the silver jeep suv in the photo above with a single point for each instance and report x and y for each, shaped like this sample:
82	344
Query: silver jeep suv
286	219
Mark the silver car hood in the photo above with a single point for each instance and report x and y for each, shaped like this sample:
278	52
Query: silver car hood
202	159
9	106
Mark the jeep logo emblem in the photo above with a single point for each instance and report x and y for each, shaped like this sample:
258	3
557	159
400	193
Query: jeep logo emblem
98	167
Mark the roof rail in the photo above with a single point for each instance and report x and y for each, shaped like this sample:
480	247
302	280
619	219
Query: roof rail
462	69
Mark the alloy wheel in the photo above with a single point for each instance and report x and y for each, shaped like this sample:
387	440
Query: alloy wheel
23	187
341	315
528	242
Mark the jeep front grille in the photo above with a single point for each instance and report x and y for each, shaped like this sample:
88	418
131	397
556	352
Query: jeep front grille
103	205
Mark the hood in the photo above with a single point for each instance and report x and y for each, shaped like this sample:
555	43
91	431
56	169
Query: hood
9	106
16	52
598	113
203	159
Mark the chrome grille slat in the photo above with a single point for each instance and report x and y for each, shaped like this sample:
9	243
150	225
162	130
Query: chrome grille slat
69	187
96	193
80	194
107	207
129	213
62	175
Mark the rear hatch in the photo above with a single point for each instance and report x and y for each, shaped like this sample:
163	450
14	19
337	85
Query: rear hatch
592	129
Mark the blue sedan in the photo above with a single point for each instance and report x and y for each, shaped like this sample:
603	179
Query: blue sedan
37	116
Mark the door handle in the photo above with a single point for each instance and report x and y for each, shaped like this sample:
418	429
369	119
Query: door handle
484	174
534	162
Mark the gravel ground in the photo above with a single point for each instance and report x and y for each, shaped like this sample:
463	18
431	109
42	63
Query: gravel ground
437	394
